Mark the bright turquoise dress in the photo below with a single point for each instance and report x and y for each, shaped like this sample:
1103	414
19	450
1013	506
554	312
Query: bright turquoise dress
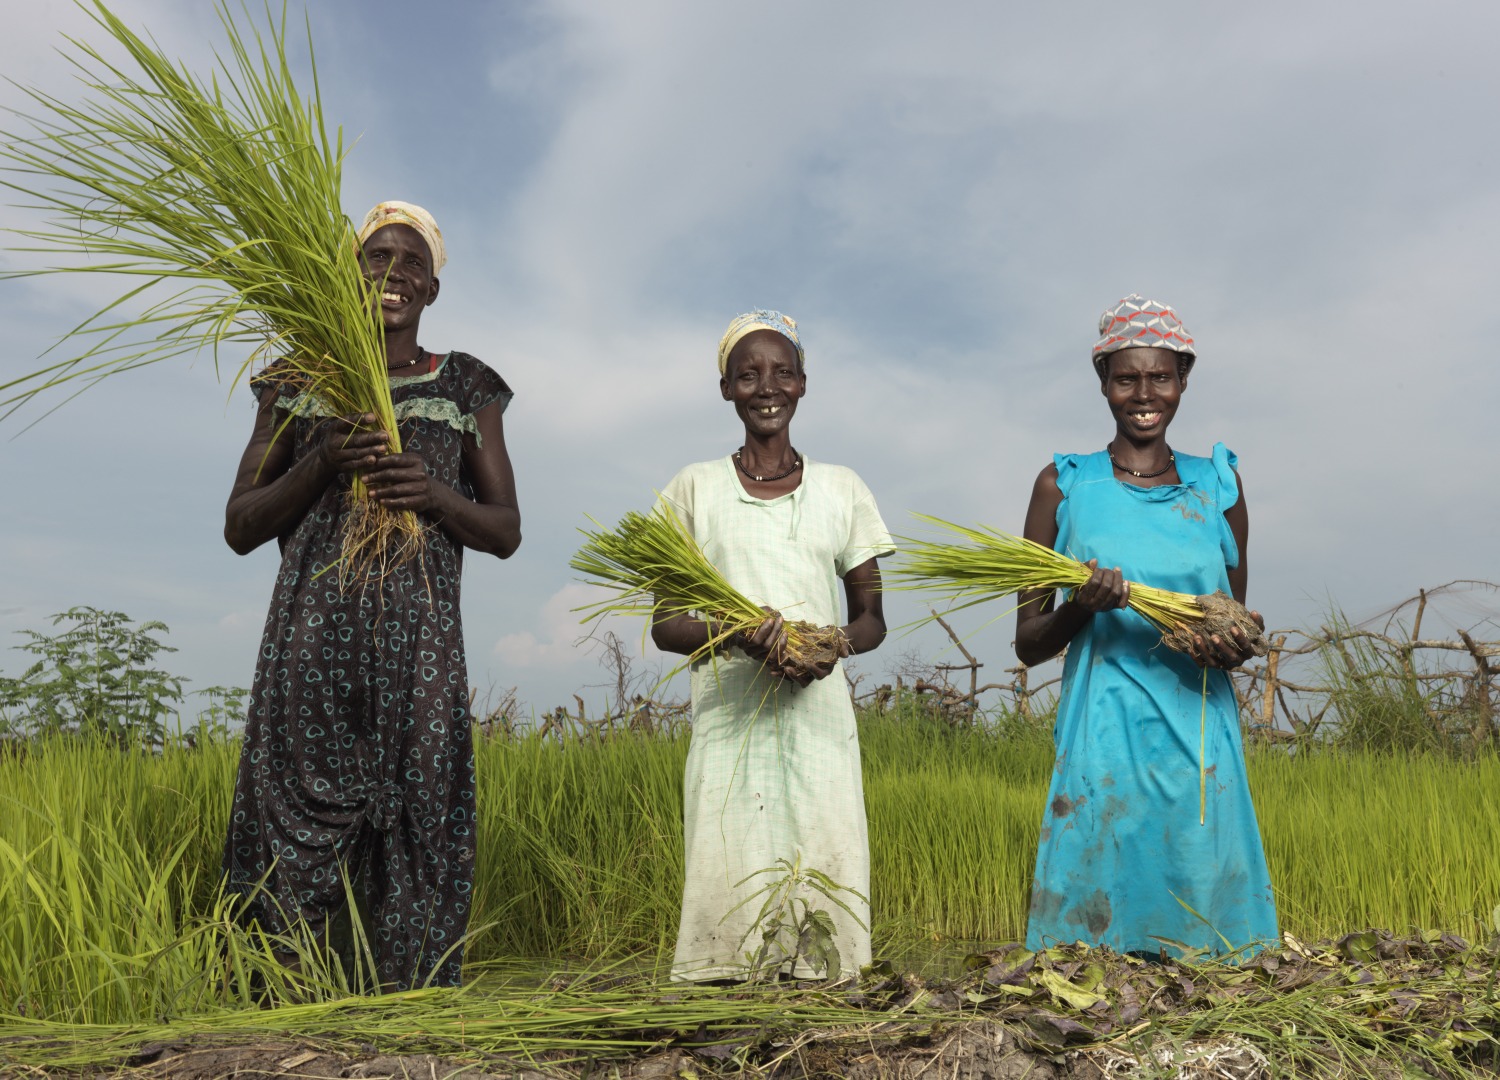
1122	855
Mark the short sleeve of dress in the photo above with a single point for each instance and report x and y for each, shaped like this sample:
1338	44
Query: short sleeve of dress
480	385
1224	461
868	536
678	496
270	381
1067	466
260	387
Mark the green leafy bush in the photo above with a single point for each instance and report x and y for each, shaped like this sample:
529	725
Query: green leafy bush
97	678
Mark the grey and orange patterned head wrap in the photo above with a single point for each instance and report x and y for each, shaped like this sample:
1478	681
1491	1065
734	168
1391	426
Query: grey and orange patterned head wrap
394	212
1139	323
759	319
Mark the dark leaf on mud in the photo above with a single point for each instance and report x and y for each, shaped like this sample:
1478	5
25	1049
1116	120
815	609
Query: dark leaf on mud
1393	949
947	1001
1267	962
1055	1031
1001	974
976	960
147	1054
1010	953
1455	943
1403	1003
907	997
1359	947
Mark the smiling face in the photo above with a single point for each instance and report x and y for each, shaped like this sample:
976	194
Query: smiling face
1143	387
765	382
398	258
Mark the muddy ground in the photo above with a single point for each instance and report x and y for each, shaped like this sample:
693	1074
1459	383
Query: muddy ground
1369	1004
991	1051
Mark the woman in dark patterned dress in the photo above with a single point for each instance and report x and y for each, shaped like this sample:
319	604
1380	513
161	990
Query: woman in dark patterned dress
357	761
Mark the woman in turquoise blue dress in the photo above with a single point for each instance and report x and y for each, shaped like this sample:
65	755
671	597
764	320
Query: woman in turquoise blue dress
1134	853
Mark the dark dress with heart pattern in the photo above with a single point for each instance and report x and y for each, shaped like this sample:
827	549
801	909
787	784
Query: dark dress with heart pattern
358	761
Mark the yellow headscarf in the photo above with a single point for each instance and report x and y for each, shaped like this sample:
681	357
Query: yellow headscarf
759	319
394	212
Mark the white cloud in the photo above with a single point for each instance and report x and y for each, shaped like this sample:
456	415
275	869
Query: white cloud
558	638
944	202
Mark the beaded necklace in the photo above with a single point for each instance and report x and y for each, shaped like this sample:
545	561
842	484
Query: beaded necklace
796	464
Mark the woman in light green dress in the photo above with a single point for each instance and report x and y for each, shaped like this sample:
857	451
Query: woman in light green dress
773	775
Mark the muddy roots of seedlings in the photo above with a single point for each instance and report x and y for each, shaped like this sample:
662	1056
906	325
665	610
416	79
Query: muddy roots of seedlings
1222	615
809	646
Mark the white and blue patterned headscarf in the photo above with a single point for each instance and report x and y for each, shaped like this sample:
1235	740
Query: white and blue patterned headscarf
759	319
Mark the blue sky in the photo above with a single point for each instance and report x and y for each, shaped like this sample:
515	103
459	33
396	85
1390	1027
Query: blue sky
945	203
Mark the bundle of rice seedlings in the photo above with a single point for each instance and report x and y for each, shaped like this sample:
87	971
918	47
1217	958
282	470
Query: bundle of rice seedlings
991	564
654	566
218	200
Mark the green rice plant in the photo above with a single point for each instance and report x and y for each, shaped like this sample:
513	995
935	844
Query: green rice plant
581	847
110	910
218	200
655	567
954	816
111	901
109	887
1359	839
990	564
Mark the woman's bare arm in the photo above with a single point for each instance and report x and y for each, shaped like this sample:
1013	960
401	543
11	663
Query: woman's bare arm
270	494
1043	628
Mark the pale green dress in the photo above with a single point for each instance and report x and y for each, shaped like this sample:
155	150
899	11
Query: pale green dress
773	768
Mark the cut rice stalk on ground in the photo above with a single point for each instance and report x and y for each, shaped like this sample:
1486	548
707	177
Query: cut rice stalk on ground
654	566
990	564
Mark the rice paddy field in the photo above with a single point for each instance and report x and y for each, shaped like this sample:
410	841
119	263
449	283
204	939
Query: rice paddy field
112	933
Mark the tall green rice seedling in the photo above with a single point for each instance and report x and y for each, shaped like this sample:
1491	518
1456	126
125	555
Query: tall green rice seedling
1399	841
217	200
581	854
654	566
989	564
